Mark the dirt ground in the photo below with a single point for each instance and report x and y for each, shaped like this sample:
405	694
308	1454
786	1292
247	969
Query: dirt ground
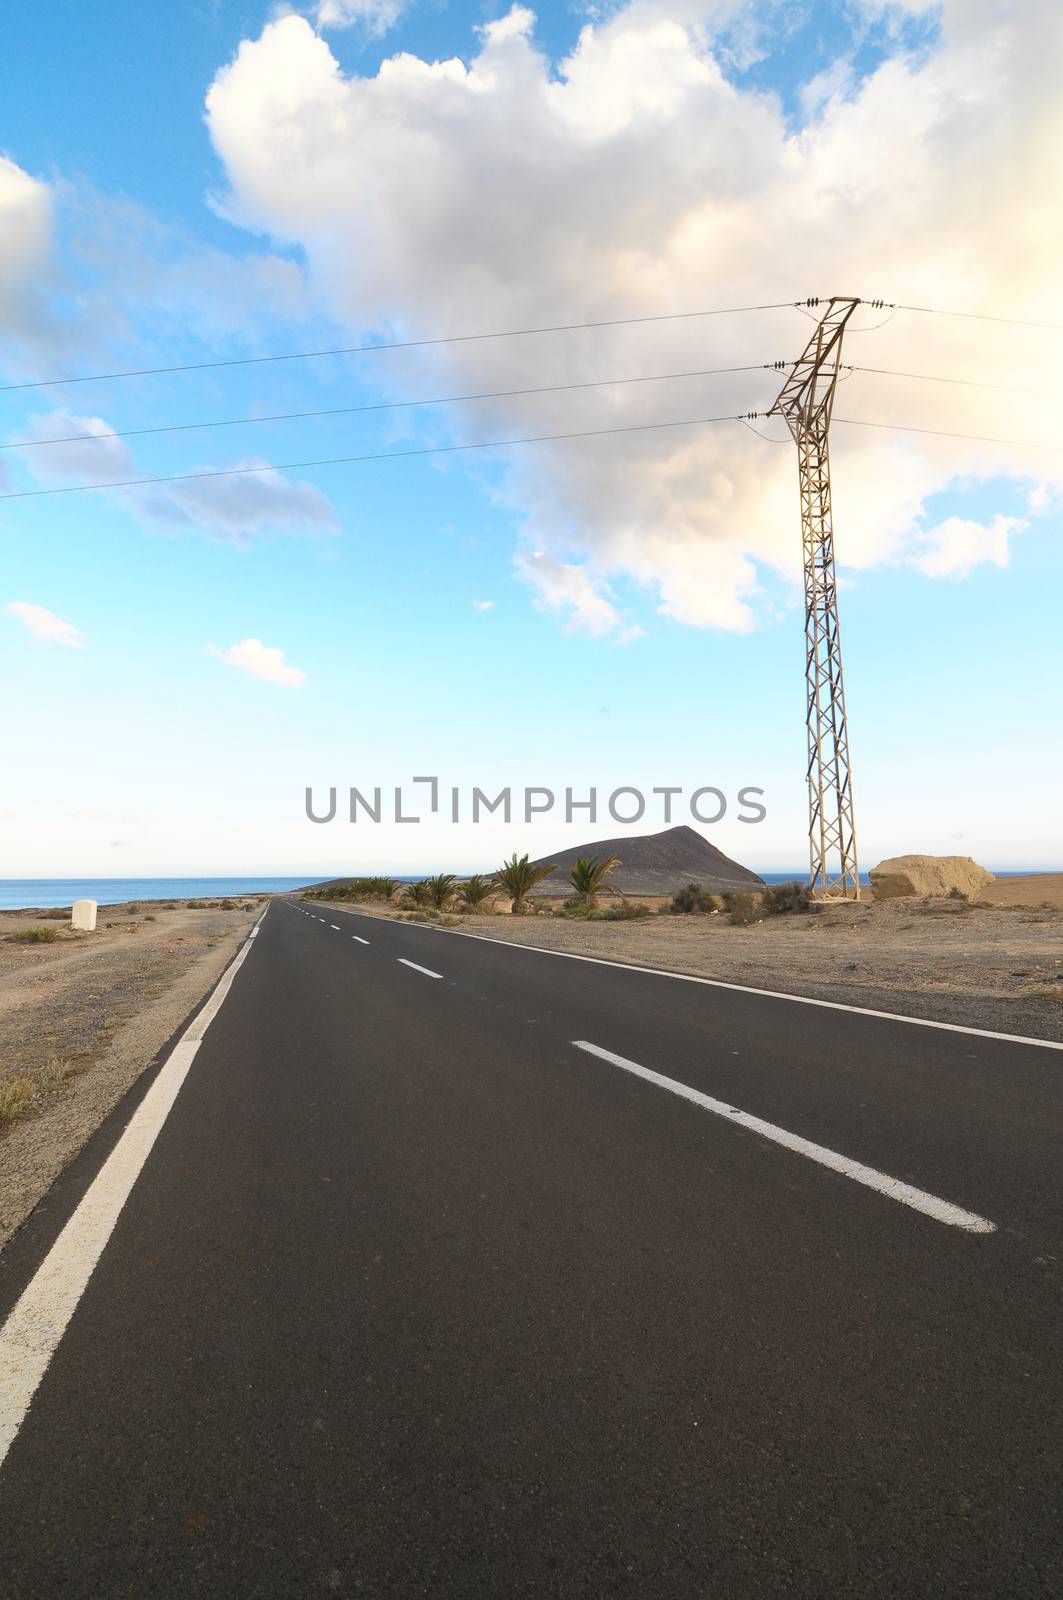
996	967
1033	889
80	1019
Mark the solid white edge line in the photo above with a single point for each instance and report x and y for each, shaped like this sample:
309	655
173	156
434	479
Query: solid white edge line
918	1199
31	1334
426	970
721	983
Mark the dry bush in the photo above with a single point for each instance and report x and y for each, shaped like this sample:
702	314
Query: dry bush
745	908
691	899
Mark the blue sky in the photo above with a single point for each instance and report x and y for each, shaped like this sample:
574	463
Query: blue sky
644	622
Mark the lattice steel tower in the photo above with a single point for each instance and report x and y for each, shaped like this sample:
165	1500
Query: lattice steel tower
806	402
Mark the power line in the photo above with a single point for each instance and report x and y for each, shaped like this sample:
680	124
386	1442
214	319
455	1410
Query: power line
983	316
511	333
497	394
969	383
941	433
405	344
384	405
383	455
499	444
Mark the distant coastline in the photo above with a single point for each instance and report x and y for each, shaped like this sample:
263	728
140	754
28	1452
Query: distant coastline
18	894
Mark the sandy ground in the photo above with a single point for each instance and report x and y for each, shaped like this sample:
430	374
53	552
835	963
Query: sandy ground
994	967
81	1018
1035	889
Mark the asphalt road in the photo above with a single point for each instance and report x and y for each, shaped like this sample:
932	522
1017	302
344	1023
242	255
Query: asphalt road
414	1297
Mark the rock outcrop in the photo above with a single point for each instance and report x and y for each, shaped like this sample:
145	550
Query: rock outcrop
924	876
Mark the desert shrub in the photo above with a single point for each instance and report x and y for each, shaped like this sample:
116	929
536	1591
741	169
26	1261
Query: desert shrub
692	897
35	936
150	918
576	909
957	894
226	905
781	898
744	908
56	914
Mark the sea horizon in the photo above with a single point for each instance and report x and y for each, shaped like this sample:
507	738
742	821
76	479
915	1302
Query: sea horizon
45	894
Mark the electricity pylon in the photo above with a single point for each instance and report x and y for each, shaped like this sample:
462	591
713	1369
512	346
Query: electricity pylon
806	402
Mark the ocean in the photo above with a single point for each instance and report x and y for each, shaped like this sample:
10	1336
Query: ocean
44	892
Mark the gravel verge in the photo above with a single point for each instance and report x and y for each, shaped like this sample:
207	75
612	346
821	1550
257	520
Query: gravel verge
81	1019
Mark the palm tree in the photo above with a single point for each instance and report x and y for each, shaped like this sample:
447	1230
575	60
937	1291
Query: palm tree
518	878
384	887
476	891
441	889
416	894
588	877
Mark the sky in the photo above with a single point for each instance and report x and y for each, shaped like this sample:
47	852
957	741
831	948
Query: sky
218	183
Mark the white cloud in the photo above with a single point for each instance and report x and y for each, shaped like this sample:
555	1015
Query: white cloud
509	191
86	456
483	605
376	16
257	500
260	661
956	546
25	248
131	272
569	589
45	625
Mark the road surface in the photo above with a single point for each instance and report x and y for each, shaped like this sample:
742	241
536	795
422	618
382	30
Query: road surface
436	1281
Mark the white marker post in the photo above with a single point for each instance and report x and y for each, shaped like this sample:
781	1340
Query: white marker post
83	916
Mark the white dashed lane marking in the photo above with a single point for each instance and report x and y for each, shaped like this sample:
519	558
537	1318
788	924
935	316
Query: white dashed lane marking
426	970
918	1199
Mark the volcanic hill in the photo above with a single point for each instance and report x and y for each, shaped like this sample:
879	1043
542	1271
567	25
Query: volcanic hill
653	863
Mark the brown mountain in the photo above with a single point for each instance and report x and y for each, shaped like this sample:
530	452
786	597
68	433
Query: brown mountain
654	863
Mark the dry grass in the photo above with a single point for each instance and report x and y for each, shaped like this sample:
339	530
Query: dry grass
24	1094
16	1098
33	936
